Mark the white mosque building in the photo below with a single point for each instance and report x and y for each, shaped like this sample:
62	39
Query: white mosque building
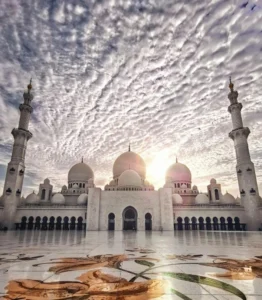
129	201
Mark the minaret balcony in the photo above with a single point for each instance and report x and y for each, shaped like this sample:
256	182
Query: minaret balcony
239	132
21	172
8	191
235	106
253	192
21	132
249	170
26	107
12	170
18	192
239	172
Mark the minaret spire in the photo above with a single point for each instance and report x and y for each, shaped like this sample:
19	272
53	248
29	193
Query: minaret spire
246	174
231	85
129	147
82	160
16	167
176	160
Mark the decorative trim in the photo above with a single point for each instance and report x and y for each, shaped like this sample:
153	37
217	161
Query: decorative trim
239	172
249	169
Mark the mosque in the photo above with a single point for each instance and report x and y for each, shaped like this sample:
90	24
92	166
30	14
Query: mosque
129	201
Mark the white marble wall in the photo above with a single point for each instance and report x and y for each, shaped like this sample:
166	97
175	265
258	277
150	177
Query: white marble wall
166	209
102	203
93	209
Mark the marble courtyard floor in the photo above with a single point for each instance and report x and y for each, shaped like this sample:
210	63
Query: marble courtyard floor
130	265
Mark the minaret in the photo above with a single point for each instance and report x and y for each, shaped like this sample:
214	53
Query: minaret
246	174
16	167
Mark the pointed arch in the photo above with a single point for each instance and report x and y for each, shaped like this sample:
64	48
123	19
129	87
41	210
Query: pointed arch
129	218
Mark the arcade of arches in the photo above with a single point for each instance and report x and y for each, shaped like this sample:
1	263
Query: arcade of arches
209	224
130	222
52	223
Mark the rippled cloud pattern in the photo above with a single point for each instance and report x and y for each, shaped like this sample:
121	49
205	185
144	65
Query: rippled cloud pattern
152	72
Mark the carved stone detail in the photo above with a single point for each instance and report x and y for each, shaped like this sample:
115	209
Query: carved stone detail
239	132
26	107
235	106
18	131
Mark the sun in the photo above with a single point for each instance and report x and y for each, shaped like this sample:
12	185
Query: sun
156	170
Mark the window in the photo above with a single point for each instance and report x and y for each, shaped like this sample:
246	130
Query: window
84	185
216	194
43	194
210	195
178	185
80	185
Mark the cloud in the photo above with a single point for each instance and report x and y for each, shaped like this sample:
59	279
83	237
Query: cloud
150	72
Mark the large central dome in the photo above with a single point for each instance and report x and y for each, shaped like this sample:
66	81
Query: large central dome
129	160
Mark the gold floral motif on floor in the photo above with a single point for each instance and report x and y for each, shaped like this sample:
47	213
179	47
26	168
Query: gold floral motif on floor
96	283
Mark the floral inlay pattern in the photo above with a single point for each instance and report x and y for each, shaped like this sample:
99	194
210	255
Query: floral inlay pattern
152	282
93	285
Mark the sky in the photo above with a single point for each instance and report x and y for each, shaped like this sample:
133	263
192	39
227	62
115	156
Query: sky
150	72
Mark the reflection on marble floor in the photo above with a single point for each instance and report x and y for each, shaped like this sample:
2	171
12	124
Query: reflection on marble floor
130	265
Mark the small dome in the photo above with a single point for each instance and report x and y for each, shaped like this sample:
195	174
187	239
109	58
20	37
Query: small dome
112	183
64	188
75	186
213	181
228	199
58	199
146	183
177	199
178	172
194	187
47	181
129	160
130	178
201	199
238	200
183	186
32	199
80	172
82	199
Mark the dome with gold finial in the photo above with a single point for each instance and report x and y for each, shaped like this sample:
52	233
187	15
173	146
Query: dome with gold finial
129	160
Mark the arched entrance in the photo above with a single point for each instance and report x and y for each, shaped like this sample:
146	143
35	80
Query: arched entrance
129	218
111	221
148	221
79	223
30	223
23	223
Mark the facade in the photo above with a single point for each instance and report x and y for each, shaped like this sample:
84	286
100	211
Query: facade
129	201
